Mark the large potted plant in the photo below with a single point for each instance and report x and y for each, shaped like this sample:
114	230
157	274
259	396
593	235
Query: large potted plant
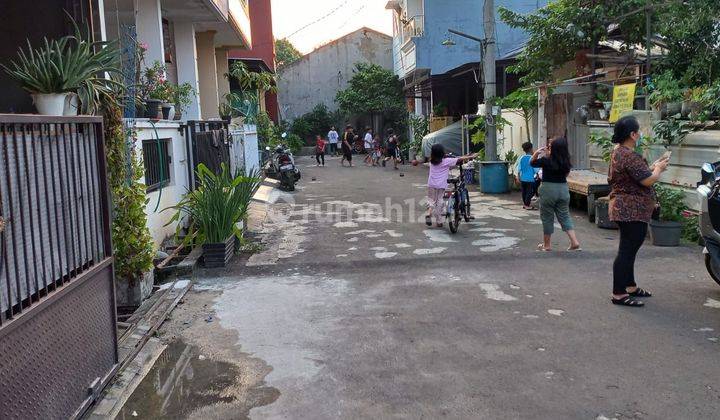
154	90
59	70
215	209
667	230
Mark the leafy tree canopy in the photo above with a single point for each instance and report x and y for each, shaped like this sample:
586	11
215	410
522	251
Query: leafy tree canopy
557	31
372	90
285	53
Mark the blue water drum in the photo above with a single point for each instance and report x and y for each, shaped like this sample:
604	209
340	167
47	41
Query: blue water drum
494	177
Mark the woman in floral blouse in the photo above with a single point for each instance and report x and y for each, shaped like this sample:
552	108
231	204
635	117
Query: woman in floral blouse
632	202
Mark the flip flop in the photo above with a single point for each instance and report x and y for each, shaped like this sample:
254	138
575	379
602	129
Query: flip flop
640	293
576	249
628	301
541	247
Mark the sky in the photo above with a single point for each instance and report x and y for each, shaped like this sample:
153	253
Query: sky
327	20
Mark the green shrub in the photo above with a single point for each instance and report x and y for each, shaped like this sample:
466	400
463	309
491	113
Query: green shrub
672	203
217	205
131	240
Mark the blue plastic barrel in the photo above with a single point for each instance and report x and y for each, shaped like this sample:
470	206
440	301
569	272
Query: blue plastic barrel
494	177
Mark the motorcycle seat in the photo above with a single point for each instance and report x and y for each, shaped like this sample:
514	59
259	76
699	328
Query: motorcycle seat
453	180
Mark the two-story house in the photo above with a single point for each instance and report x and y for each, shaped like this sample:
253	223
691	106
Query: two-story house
442	70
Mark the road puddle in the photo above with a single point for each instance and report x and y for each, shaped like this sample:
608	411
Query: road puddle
185	384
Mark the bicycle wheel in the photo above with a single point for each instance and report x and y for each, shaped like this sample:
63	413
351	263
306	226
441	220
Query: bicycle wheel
454	214
466	209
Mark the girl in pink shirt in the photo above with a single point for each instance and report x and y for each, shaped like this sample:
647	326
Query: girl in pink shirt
437	182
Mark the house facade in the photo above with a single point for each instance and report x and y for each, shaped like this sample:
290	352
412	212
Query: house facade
261	55
317	77
438	67
58	322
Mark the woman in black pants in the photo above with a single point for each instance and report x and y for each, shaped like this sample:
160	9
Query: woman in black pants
632	202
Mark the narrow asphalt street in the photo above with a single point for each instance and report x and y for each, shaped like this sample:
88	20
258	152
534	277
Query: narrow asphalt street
353	309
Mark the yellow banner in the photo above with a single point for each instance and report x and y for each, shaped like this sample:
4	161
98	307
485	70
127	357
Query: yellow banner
623	98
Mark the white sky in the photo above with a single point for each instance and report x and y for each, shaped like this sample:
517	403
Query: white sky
291	15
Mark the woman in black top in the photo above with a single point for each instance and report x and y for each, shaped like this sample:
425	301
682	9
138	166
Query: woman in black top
554	159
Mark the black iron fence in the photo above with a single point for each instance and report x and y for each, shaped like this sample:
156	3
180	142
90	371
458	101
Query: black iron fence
207	142
57	305
52	203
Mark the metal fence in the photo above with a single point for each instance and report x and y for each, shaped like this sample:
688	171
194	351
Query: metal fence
57	303
53	200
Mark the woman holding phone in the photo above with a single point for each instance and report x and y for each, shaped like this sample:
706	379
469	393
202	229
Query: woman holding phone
632	203
554	159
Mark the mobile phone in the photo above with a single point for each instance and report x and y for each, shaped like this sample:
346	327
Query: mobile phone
667	155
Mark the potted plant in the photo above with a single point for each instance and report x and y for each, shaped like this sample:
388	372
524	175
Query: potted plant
56	72
602	140
215	208
666	96
154	90
183	95
667	230
710	102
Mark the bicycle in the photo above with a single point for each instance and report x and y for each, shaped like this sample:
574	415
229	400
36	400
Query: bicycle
457	202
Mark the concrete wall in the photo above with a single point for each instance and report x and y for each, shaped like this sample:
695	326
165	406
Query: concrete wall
317	77
172	193
684	169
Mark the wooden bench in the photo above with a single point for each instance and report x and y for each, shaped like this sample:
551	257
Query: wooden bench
591	184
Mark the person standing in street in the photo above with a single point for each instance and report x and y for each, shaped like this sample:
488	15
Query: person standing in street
632	203
554	159
392	149
348	138
333	138
368	145
320	144
526	176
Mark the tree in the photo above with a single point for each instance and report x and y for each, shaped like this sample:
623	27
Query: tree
373	91
564	27
285	53
522	103
691	32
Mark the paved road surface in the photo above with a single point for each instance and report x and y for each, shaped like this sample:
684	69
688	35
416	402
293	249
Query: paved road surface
353	309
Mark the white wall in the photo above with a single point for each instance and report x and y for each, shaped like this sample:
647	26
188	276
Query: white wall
514	134
317	77
244	153
172	193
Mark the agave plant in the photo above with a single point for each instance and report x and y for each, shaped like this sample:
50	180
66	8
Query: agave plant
72	63
217	205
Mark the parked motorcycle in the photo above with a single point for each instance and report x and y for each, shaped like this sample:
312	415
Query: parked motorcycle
281	166
709	194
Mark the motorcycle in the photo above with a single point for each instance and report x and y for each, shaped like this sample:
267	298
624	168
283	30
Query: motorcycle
281	166
709	193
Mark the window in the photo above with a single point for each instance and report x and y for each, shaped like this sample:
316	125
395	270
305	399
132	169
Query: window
157	160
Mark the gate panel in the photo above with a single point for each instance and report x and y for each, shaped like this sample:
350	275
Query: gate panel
58	337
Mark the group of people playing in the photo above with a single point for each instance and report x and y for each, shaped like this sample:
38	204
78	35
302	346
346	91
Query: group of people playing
376	153
544	172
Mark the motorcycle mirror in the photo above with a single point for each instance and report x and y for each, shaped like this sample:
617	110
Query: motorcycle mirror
708	173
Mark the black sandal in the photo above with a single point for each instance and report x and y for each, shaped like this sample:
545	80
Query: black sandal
428	220
640	293
628	301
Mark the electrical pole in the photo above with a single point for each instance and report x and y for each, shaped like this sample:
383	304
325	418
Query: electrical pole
489	79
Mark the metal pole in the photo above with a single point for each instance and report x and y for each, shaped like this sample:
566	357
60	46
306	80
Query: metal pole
489	88
648	41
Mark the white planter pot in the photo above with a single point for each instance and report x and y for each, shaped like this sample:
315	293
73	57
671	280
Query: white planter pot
71	105
49	103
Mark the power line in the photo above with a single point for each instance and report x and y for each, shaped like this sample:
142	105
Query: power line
319	19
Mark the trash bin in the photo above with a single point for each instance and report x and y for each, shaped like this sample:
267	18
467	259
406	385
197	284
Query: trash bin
494	177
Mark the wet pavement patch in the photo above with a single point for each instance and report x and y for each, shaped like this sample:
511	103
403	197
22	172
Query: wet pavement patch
183	383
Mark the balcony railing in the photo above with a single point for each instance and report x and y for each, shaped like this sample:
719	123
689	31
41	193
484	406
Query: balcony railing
413	27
